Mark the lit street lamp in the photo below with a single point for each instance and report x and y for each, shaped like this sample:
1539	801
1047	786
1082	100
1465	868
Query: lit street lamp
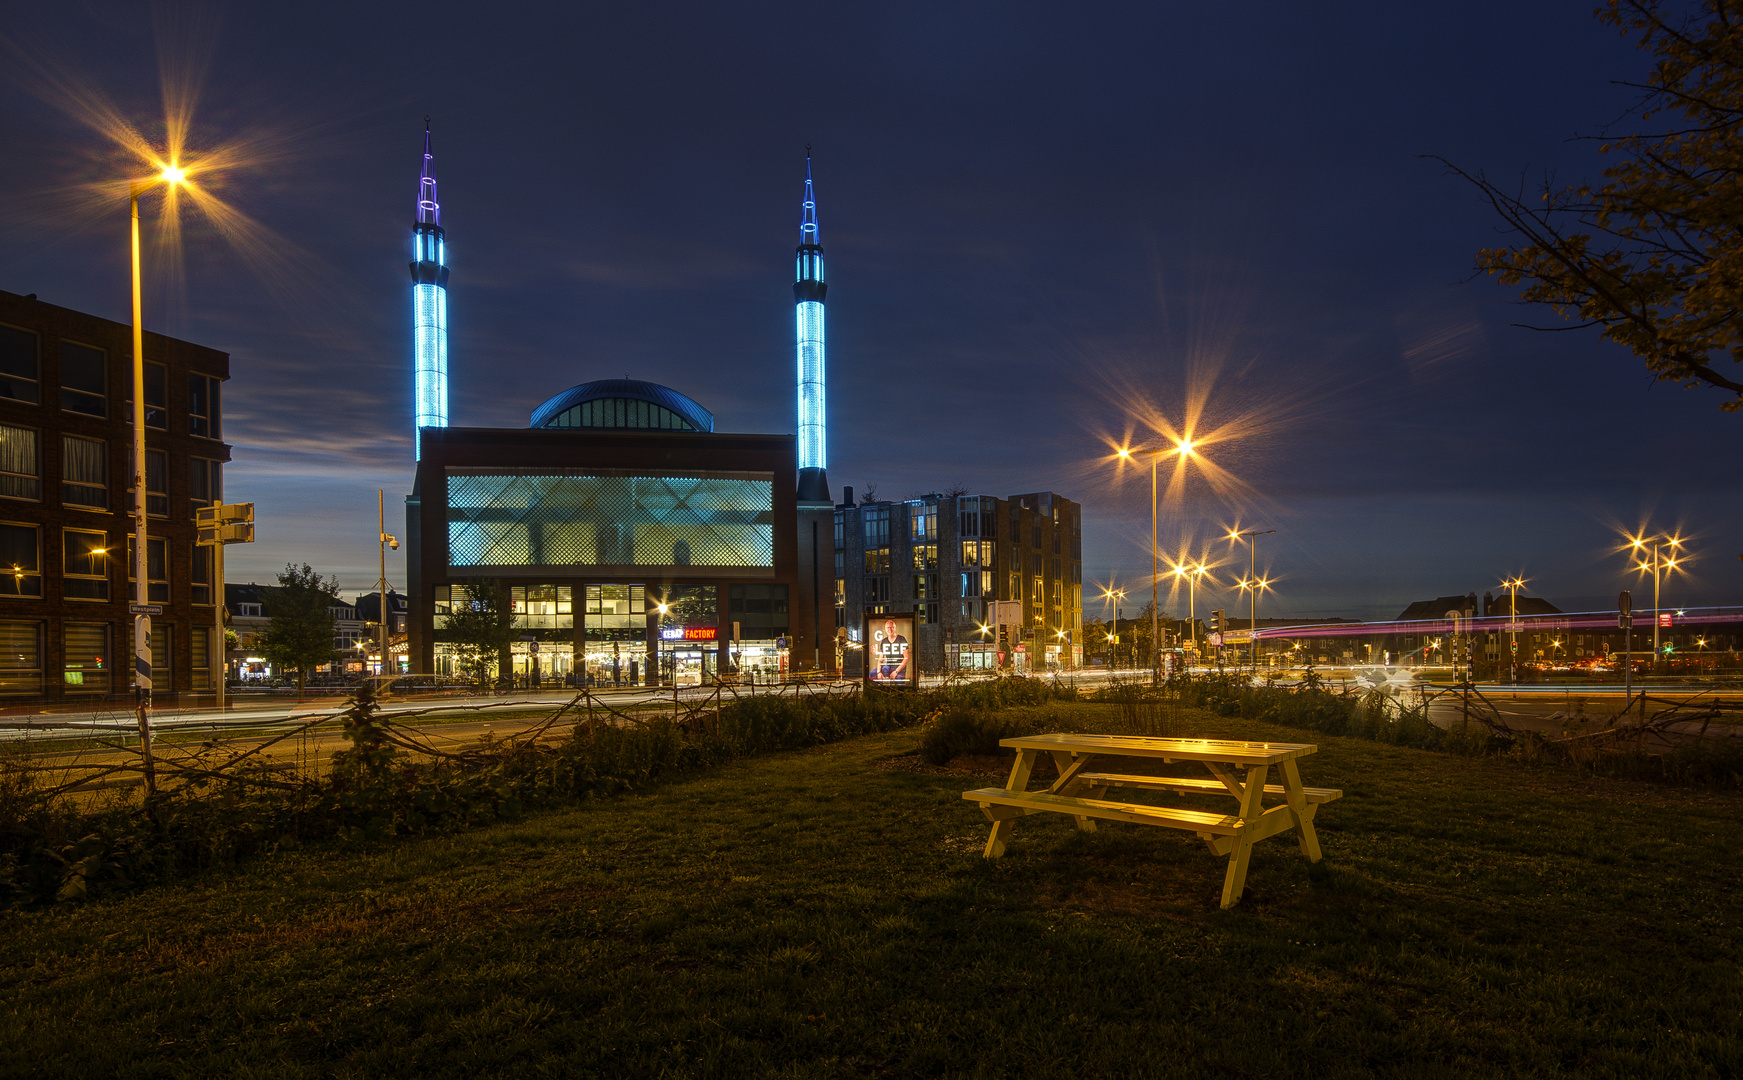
1192	573
1184	448
1514	584
1660	564
142	680
382	613
1252	585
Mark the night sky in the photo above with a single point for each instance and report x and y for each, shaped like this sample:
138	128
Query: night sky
1044	223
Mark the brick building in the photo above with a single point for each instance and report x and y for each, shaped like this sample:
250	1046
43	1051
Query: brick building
950	559
66	528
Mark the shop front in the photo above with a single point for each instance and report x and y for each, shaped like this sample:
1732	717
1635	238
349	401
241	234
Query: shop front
760	661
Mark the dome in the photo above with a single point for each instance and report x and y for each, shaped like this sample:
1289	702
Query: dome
622	403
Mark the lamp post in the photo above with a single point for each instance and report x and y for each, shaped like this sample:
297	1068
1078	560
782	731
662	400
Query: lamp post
1184	448
141	559
1252	585
1513	584
1108	596
1191	573
382	614
1659	565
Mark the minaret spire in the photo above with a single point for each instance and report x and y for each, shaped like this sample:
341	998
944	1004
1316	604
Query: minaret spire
429	306
808	293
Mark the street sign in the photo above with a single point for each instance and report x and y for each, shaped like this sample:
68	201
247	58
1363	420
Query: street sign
236	532
1623	622
533	647
145	609
1664	620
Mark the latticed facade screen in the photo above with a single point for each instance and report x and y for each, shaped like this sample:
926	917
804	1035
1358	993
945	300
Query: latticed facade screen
604	520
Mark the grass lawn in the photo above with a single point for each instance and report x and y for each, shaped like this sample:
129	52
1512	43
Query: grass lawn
814	914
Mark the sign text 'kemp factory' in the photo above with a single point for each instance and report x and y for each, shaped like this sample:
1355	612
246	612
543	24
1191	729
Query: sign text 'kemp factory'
689	633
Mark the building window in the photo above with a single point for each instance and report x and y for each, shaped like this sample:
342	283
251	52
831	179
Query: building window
968	520
1016	588
922	521
926	613
85	566
876	522
1016	524
840	529
1035	536
156	483
925	556
20	561
20	464
205	482
203	406
156	396
1056	538
877	561
200	657
970	583
545	607
84	382
84	471
162	673
18	365
86	663
877	590
840	592
1035	566
201	577
925	586
20	657
156	569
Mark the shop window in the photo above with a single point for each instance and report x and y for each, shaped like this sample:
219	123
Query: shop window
205	482
203	406
84	379
84	472
20	657
20	463
85	566
19	365
156	569
20	561
86	665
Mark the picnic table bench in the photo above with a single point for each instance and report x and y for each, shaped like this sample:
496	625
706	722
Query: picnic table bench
1237	769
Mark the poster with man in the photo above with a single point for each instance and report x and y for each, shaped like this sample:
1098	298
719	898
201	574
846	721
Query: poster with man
889	651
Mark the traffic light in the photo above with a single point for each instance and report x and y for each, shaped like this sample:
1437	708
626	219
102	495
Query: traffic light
1216	621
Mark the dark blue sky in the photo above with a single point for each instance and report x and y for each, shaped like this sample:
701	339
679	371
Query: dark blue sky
1034	215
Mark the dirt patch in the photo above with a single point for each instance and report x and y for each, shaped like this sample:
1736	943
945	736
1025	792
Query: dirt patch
990	766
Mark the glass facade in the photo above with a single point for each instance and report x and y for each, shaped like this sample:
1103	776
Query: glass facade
585	520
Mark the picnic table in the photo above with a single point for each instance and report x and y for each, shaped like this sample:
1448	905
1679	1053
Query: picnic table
1241	770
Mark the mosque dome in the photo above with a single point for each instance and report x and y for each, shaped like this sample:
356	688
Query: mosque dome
622	403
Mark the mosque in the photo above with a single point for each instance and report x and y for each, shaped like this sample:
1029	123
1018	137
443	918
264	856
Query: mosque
640	545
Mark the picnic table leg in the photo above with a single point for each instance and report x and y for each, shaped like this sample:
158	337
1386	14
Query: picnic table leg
1019	781
1303	812
1252	806
1069	765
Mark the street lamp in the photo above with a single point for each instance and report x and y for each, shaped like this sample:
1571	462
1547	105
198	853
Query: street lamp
1191	573
1183	447
1109	595
381	596
170	175
1660	564
1514	584
1252	585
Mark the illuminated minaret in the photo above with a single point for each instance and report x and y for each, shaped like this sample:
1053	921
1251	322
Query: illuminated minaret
808	292
429	307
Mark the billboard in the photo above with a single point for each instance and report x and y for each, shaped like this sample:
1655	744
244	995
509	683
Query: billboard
889	654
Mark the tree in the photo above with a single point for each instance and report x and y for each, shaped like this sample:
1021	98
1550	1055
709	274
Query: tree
300	633
1654	255
480	625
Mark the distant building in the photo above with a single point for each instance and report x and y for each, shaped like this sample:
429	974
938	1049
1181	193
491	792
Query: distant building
368	609
251	613
950	559
66	505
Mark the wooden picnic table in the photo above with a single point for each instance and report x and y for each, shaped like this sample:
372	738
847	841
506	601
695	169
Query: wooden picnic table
1238	769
